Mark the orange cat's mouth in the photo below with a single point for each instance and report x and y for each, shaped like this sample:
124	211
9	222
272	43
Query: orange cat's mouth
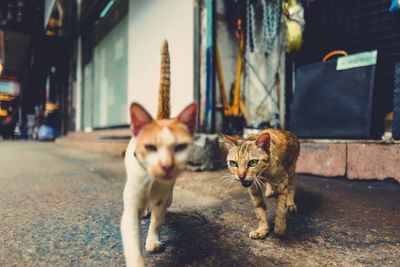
247	183
168	176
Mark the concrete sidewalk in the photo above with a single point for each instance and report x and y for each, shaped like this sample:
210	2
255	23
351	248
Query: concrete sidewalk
61	207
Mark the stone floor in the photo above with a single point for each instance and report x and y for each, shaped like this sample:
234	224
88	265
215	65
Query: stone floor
61	207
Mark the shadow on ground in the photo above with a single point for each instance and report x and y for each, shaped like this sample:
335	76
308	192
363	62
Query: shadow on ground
192	239
299	223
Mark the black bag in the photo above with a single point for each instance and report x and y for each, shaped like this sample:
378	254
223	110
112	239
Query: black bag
330	103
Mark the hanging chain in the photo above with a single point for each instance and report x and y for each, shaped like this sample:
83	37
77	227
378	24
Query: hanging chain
271	22
250	26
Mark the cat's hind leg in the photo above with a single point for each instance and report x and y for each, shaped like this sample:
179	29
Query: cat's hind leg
291	205
290	200
169	203
131	231
280	214
146	213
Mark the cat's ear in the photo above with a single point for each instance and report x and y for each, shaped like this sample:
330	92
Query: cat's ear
263	141
189	116
229	141
139	118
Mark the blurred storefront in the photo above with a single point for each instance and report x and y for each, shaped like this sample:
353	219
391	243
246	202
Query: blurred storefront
244	63
117	58
21	21
103	43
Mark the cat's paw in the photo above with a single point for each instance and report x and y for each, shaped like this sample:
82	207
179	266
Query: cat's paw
153	246
259	233
292	207
279	230
139	262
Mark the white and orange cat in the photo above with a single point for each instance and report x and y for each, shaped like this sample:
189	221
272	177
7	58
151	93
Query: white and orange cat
155	156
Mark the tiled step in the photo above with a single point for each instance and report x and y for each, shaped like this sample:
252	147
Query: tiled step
95	135
110	142
352	159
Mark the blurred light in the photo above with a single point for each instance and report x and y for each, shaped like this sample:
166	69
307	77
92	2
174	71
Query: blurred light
1	68
5	97
51	106
106	8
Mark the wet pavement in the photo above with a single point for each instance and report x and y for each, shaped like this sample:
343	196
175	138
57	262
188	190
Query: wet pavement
62	207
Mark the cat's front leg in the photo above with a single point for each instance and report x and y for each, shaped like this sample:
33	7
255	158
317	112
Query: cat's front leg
158	210
257	199
134	205
131	236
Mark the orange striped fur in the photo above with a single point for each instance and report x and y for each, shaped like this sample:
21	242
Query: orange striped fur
163	111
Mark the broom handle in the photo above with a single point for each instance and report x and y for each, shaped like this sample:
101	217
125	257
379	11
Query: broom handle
236	94
221	83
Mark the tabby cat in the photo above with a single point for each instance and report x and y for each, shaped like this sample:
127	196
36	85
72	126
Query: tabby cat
265	163
155	156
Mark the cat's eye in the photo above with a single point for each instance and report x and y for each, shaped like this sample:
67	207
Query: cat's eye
233	163
180	147
252	163
150	148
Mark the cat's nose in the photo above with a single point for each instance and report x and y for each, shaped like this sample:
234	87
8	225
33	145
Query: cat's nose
241	176
167	168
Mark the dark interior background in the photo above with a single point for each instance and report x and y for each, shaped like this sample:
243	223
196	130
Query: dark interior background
354	26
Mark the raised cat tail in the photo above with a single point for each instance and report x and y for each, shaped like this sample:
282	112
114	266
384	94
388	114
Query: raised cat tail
163	111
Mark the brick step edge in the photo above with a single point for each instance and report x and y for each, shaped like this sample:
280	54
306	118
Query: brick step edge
352	160
95	135
116	149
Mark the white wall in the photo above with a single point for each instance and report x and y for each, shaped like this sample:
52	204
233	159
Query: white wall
150	22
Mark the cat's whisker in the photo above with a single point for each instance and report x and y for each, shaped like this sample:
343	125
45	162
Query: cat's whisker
259	185
262	184
226	183
256	183
226	180
223	183
261	171
227	175
261	181
265	180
